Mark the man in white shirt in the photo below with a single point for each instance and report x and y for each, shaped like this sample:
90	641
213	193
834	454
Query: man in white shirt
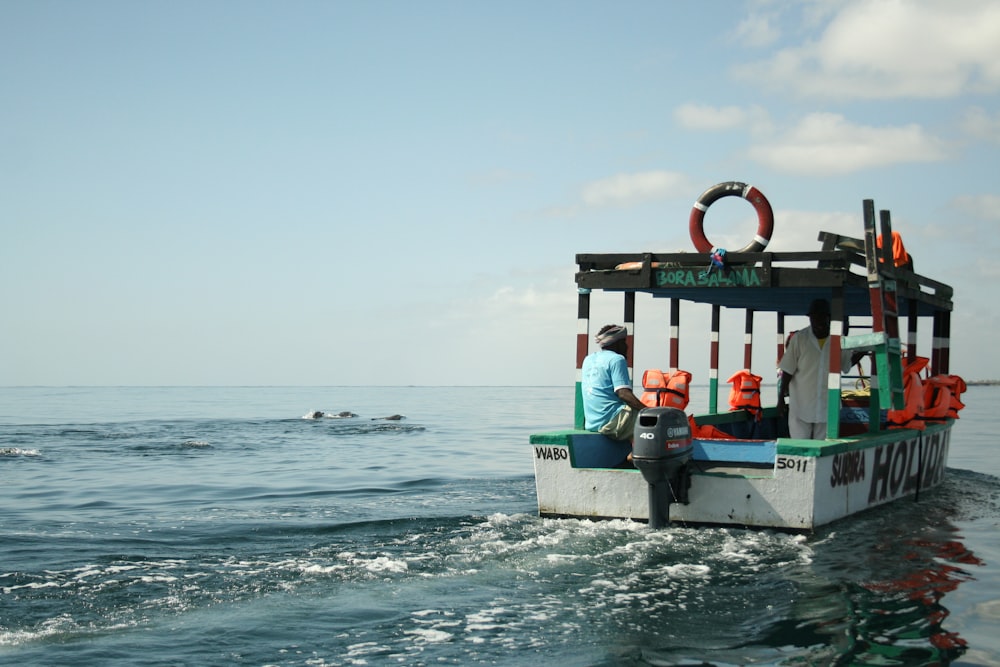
805	368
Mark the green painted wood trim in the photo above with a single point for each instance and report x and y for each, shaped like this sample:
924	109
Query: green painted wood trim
555	437
874	413
817	448
833	413
869	341
786	446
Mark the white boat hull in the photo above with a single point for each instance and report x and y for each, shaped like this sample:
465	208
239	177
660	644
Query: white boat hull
808	484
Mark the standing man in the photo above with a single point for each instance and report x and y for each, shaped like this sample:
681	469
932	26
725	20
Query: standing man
805	367
609	406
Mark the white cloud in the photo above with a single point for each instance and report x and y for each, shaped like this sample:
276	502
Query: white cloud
506	301
706	117
980	124
826	143
627	189
883	49
797	230
984	207
532	323
758	30
988	268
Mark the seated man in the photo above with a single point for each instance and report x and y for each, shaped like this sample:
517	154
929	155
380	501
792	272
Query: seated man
609	406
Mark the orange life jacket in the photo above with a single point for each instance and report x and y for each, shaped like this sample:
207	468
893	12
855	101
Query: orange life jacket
745	394
958	386
937	398
705	431
944	389
913	397
899	255
664	391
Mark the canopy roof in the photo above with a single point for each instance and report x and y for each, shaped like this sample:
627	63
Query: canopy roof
764	281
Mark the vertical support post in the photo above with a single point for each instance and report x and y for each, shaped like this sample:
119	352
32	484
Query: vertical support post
748	340
675	333
874	396
582	342
872	265
874	402
935	337
630	328
713	362
940	344
885	325
781	337
891	310
780	340
911	330
833	376
945	366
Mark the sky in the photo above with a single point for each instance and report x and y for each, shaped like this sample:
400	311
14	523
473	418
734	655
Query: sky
383	192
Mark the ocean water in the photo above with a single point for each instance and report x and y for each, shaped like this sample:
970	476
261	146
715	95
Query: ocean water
216	526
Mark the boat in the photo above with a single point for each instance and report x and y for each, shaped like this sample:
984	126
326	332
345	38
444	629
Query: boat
736	466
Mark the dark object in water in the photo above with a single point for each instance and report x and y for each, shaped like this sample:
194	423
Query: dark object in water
319	414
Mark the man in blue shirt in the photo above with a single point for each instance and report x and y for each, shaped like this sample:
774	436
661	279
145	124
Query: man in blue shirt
609	405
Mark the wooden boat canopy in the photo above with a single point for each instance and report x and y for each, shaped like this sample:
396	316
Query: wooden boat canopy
784	282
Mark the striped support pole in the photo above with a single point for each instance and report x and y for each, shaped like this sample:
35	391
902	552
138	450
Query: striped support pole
713	362
941	343
889	287
675	334
945	343
781	337
911	331
833	377
582	343
748	340
872	264
781	351
630	328
936	344
874	402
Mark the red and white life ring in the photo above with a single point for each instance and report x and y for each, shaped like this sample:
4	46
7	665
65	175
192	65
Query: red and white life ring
765	216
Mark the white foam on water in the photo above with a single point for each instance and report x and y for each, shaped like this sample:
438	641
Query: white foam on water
424	612
35	585
687	570
386	564
430	636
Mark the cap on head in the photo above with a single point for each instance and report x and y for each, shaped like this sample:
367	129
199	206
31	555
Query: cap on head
610	334
819	307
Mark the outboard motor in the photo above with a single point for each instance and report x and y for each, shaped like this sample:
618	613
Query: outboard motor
661	449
